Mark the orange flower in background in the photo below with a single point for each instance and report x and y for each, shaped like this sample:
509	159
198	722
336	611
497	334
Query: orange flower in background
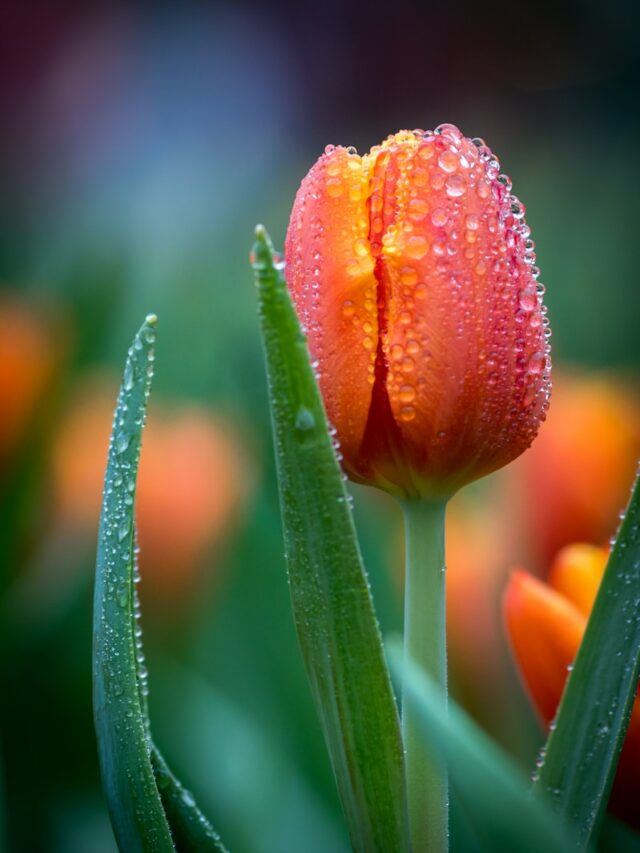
412	270
29	355
545	623
592	437
575	480
193	481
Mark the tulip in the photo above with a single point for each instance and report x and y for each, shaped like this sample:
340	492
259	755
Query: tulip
568	487
30	353
576	478
545	623
413	273
192	483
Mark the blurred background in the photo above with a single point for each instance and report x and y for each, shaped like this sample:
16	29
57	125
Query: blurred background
141	145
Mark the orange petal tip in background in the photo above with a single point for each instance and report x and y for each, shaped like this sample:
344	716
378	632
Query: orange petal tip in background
545	623
413	273
194	481
31	353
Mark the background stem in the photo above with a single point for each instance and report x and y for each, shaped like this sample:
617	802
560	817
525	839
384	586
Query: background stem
425	644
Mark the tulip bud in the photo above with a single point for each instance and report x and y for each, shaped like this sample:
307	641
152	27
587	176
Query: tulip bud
414	276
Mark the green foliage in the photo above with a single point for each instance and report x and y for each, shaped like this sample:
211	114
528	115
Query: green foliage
141	792
332	604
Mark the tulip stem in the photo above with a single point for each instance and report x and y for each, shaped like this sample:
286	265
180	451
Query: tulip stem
425	645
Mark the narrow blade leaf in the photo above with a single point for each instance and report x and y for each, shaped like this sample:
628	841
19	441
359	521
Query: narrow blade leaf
137	816
492	793
140	789
332	604
582	751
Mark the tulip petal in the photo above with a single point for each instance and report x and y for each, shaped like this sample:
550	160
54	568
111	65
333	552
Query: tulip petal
459	345
545	630
576	573
329	271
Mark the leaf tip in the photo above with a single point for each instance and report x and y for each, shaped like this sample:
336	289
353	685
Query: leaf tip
262	255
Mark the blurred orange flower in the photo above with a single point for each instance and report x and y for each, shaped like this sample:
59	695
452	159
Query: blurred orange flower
545	623
576	478
29	353
569	486
193	481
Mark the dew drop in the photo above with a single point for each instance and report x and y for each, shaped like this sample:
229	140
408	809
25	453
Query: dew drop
528	299
407	413
417	247
448	161
439	217
455	186
408	276
122	442
537	363
305	420
418	208
128	376
421	291
407	393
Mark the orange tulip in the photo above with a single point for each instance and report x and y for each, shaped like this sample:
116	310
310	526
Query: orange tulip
570	486
545	624
575	480
192	482
29	354
413	273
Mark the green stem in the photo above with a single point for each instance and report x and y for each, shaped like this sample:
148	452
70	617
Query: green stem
425	644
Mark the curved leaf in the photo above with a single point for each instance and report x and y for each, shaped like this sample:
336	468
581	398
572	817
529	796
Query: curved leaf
332	605
137	815
141	791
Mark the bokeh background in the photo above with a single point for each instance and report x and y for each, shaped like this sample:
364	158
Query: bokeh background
140	146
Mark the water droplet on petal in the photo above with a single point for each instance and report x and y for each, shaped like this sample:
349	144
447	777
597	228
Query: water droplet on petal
455	186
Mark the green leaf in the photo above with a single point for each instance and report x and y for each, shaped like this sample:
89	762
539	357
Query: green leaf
137	815
582	751
332	604
492	795
192	832
132	768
